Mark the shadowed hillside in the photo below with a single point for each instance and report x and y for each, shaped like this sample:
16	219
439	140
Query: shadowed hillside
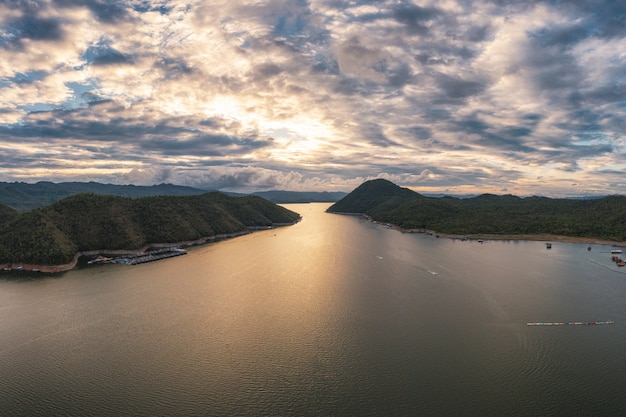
374	196
285	197
53	234
602	218
6	213
23	196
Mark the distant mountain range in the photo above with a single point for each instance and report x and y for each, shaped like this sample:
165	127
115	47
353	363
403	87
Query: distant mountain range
23	196
600	218
284	197
53	234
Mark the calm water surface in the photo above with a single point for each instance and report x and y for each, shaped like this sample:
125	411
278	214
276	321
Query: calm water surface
333	317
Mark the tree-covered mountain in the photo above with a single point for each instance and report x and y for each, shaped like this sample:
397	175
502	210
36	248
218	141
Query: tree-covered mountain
374	196
284	197
23	196
53	234
602	218
6	213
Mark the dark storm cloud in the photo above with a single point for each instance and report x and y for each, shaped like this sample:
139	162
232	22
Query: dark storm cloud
107	11
375	135
560	36
174	136
415	18
31	27
104	54
458	88
419	132
605	94
245	178
173	68
498	139
38	29
605	18
267	70
203	144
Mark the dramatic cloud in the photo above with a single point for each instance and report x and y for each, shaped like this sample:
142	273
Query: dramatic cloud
440	96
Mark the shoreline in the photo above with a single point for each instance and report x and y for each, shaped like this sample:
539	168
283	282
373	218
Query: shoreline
545	237
542	237
53	269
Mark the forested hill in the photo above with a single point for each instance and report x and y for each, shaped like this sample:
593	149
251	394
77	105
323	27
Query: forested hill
603	218
53	234
23	196
6	213
286	197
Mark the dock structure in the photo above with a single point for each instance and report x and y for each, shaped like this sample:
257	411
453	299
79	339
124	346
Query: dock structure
150	256
570	323
140	258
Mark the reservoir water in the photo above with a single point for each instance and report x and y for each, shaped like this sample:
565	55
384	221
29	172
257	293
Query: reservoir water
334	316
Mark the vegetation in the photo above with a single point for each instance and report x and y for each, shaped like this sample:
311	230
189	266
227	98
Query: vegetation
6	213
284	197
23	197
603	218
53	234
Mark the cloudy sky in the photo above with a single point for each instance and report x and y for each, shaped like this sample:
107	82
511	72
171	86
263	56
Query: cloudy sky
442	96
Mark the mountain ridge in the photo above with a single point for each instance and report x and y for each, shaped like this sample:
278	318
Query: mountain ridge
52	235
383	201
26	196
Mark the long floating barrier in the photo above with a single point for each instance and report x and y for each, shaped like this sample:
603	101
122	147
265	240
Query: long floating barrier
570	323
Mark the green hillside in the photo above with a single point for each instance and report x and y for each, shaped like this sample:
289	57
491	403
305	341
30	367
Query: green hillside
53	234
374	196
6	213
603	218
23	196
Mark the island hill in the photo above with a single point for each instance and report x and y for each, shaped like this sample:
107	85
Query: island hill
490	216
55	234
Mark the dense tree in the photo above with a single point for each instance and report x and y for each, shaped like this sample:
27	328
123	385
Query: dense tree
602	218
53	234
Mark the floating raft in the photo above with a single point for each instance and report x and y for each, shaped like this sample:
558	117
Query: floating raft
570	323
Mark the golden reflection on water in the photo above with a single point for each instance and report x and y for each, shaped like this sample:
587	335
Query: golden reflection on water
331	316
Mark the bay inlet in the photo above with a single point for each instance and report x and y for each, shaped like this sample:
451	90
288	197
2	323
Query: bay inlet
332	316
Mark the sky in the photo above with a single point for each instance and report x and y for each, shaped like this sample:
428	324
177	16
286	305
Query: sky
441	96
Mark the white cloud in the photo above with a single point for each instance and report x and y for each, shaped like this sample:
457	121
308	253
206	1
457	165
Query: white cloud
313	95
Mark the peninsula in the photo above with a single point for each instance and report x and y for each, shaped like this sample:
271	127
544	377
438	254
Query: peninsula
490	216
52	237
